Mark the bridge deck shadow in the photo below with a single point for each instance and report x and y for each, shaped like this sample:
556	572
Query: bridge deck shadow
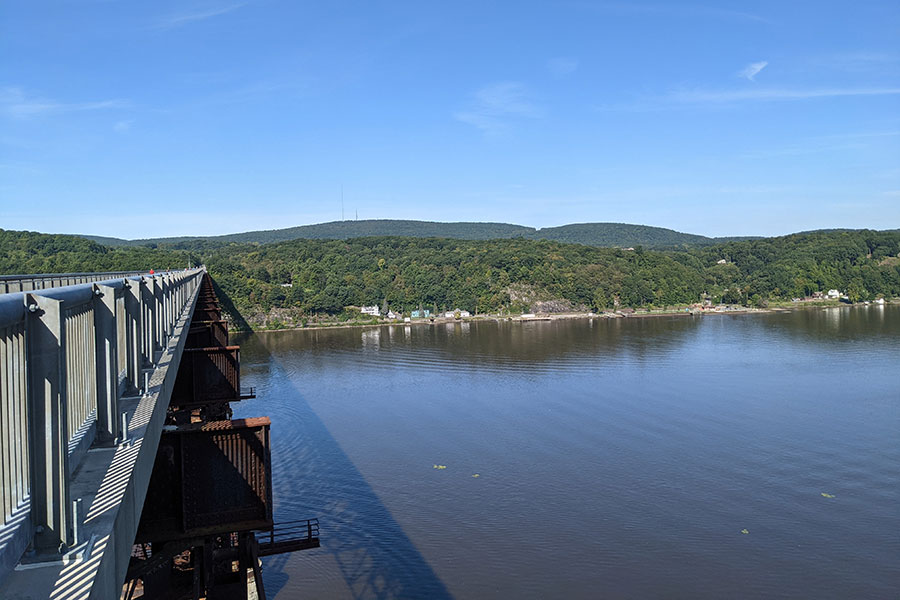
314	477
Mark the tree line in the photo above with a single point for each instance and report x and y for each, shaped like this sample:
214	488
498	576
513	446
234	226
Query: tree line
318	277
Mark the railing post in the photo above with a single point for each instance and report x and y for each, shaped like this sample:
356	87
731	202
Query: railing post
173	302
176	299
163	310
170	305
107	350
159	307
163	295
50	504
133	333
148	321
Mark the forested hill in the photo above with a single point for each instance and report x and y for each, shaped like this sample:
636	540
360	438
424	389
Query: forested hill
611	235
620	235
341	230
24	252
325	276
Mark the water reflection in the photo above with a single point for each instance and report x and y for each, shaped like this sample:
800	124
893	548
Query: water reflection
834	325
643	445
497	345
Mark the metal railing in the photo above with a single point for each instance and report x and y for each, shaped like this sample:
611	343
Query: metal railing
288	537
14	460
11	284
67	355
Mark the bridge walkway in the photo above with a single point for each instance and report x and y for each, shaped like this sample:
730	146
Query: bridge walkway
86	375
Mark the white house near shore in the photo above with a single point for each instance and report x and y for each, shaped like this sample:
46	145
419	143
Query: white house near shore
451	314
370	310
833	295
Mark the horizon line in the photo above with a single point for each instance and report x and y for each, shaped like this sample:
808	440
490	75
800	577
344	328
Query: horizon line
529	227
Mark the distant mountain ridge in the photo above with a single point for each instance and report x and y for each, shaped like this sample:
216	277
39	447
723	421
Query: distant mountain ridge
590	234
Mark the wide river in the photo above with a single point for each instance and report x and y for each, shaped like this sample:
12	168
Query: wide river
724	456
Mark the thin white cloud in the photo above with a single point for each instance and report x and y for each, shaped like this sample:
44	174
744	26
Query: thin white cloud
182	19
123	126
15	103
676	10
263	88
752	70
859	62
20	167
806	147
692	98
562	66
861	134
496	104
772	94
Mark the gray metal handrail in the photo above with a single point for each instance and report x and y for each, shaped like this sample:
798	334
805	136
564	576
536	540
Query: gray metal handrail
61	378
10	284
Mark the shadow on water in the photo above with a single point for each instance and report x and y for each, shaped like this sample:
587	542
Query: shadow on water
312	476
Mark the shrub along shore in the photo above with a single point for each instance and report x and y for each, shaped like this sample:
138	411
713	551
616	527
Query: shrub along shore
683	311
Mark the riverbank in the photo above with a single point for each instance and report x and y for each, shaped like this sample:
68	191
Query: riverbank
684	311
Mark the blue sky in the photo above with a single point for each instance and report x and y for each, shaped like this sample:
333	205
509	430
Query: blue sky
139	119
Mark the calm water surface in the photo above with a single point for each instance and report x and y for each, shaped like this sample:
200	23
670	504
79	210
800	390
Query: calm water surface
615	459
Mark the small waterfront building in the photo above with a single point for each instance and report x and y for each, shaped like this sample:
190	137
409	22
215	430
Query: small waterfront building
833	295
394	315
370	310
420	314
464	313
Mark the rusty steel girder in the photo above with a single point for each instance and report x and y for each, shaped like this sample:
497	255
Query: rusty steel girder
209	479
208	375
208	312
204	334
